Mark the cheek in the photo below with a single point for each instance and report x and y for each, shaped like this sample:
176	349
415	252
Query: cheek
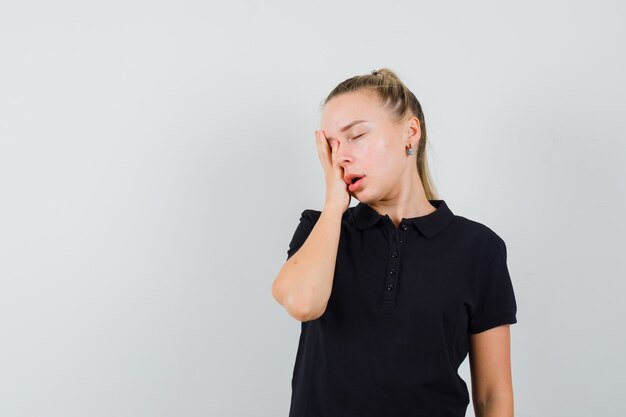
388	164
381	166
381	158
386	155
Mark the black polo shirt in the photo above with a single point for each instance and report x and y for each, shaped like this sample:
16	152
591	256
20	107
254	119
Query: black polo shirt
403	303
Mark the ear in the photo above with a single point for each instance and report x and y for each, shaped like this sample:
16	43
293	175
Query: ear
414	131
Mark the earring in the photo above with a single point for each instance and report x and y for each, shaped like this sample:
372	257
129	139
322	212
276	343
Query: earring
410	150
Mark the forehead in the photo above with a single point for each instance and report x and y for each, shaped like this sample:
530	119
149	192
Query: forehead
345	108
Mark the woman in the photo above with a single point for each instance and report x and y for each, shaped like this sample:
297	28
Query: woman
394	292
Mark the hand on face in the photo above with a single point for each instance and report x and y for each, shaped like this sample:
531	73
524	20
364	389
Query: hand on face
337	194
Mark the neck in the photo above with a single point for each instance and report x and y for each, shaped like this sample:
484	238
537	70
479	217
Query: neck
409	201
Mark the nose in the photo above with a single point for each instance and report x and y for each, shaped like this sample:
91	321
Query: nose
344	156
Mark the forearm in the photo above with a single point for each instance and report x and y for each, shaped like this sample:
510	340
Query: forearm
304	283
496	406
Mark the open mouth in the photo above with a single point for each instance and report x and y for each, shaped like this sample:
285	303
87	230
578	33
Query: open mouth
356	184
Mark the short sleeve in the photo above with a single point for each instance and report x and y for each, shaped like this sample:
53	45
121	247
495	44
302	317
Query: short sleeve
495	299
308	218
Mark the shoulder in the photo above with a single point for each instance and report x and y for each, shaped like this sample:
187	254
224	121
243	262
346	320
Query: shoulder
477	235
310	215
313	215
474	229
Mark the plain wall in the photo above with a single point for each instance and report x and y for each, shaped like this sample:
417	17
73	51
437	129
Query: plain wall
155	158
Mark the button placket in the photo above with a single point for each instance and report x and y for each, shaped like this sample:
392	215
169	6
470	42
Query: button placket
392	272
394	264
403	228
395	239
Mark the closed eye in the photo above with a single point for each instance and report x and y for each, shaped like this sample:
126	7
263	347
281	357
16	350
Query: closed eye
358	136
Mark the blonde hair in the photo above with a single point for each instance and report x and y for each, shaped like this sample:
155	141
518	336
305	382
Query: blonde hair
400	102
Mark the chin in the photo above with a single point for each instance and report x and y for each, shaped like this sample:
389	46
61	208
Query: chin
361	198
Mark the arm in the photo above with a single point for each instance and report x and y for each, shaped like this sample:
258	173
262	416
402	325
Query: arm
304	282
490	367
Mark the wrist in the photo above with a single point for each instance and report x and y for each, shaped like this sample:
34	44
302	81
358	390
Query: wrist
333	208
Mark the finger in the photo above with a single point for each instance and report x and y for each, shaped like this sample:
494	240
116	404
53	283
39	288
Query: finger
334	153
336	167
322	148
327	146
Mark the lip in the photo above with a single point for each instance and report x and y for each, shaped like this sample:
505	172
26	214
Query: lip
353	187
348	178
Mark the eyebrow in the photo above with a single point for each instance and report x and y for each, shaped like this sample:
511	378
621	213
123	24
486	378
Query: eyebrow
348	126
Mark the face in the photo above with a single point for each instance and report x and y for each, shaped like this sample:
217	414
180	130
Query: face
375	148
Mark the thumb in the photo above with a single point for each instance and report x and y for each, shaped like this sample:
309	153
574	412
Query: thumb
336	166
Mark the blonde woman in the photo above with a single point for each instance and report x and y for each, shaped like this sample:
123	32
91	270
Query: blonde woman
395	292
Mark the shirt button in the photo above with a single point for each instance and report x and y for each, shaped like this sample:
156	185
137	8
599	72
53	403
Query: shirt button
393	271
394	254
403	226
400	240
390	287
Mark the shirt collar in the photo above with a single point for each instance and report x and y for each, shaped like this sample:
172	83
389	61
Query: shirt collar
429	225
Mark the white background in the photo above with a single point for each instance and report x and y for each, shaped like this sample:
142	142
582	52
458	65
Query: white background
155	158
